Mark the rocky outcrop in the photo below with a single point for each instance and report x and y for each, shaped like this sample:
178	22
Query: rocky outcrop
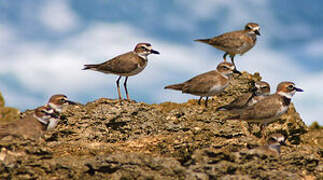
106	139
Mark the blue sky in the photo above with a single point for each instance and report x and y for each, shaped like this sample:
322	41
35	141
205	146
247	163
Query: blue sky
44	44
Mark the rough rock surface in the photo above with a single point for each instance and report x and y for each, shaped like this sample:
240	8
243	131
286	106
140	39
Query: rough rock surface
108	139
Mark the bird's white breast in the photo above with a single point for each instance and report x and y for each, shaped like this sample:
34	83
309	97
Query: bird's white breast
282	110
216	89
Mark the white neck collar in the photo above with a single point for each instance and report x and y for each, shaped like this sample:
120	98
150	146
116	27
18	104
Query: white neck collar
52	123
144	56
55	107
287	95
45	122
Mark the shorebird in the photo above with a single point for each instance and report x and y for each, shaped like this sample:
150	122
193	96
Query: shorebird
207	84
269	109
57	102
236	42
128	64
259	91
272	146
42	119
31	126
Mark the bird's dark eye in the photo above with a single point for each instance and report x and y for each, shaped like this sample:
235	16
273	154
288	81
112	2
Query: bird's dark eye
291	87
225	68
62	100
143	48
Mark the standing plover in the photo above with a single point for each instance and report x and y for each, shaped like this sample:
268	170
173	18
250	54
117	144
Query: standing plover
260	90
236	42
127	64
207	84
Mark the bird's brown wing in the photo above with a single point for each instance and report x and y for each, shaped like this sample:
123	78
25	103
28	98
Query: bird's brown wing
266	108
230	40
239	102
201	84
124	63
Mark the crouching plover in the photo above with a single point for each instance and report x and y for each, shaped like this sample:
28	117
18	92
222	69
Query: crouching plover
207	84
42	119
269	109
272	146
260	90
57	102
128	64
236	42
31	126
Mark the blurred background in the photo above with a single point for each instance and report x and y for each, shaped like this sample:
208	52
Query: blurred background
44	44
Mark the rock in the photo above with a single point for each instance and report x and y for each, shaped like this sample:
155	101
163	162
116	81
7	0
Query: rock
108	139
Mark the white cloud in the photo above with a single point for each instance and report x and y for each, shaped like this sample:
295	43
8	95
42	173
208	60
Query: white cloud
314	48
57	16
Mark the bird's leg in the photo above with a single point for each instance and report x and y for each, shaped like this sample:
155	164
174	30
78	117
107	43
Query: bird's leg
235	67
206	99
232	60
199	102
118	86
225	57
125	87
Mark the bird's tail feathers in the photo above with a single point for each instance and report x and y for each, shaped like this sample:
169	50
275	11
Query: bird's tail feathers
224	108
90	66
203	40
175	87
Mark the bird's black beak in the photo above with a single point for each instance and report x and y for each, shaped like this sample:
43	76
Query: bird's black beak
70	102
257	32
298	89
154	52
236	71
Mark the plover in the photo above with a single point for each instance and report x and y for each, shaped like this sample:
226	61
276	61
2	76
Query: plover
270	108
128	64
207	84
272	146
31	126
57	102
259	91
42	119
236	42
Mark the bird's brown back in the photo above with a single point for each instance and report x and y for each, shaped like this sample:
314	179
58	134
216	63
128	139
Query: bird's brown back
203	83
263	109
124	63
